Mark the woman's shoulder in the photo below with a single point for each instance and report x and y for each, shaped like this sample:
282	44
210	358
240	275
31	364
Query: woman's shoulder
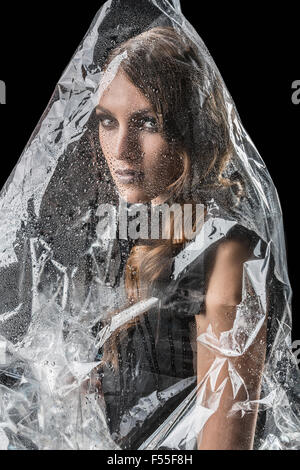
218	236
221	243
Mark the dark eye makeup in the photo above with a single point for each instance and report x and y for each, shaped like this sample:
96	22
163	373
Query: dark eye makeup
148	123
103	117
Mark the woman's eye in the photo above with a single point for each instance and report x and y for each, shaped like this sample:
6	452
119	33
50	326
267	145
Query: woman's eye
149	124
106	122
146	123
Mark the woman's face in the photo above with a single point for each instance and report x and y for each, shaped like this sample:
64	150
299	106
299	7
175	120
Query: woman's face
137	154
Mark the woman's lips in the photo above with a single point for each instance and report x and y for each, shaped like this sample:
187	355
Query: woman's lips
129	176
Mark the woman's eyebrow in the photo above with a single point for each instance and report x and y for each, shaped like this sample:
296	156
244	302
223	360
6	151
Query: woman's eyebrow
104	110
138	113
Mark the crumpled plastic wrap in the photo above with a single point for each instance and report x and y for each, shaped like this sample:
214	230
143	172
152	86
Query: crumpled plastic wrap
63	295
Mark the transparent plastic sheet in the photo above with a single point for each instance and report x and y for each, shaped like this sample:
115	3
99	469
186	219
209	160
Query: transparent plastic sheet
63	294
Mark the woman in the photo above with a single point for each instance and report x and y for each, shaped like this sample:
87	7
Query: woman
144	120
181	330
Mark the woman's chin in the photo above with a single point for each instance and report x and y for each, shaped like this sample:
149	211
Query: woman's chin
134	195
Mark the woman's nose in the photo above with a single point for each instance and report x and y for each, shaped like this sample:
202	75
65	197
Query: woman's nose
126	144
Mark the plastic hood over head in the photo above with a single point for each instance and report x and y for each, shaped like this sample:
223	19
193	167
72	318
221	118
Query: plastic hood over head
115	332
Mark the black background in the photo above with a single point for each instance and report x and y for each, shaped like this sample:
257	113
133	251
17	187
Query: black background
255	49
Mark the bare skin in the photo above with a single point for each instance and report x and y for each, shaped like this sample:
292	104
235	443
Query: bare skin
224	293
137	153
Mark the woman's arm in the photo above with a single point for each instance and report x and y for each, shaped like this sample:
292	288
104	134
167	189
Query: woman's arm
224	293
